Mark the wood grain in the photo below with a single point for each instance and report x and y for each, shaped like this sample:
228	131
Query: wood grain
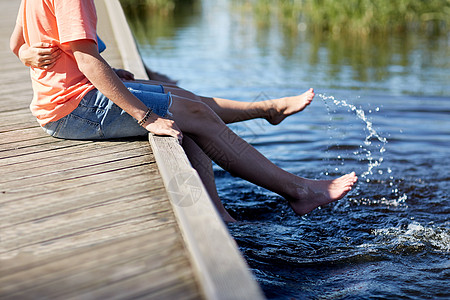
81	219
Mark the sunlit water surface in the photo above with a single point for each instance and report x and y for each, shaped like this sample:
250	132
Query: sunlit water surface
382	110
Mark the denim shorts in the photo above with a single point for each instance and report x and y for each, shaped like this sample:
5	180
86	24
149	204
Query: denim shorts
97	117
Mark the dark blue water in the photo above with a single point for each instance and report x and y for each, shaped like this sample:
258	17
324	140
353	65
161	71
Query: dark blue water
382	110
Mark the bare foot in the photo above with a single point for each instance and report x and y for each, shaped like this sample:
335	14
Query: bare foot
315	193
281	108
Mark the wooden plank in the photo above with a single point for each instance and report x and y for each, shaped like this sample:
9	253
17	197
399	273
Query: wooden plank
48	218
26	124
21	149
25	261
90	219
94	236
23	112
54	232
70	186
148	285
222	277
66	153
110	178
76	233
17	117
127	47
105	31
144	256
44	165
218	280
10	137
27	210
58	177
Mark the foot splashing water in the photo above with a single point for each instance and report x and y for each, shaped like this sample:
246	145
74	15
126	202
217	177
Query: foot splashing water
373	143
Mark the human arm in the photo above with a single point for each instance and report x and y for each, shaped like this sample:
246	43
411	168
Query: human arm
44	55
16	41
39	55
101	75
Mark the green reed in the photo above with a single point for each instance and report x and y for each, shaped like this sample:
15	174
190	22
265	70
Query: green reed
357	16
164	7
150	19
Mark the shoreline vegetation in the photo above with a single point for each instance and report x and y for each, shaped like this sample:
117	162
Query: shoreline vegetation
161	7
369	54
361	17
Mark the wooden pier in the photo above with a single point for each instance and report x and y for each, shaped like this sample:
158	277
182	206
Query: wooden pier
119	219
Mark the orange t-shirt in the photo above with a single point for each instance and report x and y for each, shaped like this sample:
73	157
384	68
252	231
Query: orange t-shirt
59	90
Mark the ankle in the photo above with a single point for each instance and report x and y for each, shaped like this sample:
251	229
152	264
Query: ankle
266	109
293	191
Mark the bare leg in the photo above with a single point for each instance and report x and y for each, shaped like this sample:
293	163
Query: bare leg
202	163
230	111
239	158
274	111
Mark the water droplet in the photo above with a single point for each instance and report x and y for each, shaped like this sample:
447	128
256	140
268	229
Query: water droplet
373	139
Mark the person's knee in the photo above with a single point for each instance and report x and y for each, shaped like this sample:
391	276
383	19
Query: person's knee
201	111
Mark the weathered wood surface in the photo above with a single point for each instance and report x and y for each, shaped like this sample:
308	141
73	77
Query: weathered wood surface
221	269
95	220
81	219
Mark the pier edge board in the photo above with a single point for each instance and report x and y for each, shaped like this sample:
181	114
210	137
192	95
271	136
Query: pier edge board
222	276
223	271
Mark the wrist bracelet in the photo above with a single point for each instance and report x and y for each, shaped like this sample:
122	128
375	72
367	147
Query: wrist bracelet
145	118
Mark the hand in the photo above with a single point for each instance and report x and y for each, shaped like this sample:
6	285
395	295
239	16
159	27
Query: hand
163	126
39	55
124	74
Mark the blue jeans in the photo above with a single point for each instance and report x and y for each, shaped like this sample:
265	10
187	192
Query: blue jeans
97	117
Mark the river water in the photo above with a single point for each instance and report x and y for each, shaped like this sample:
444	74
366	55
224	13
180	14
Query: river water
382	110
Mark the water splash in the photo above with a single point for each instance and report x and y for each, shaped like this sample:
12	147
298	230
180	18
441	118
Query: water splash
415	235
372	135
371	149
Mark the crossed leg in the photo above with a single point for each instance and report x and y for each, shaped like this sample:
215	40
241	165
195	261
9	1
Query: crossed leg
232	153
204	120
230	111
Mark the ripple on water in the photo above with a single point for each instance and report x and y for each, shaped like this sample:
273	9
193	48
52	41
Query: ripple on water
369	244
414	237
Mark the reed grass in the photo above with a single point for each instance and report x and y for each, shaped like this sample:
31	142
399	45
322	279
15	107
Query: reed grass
357	16
151	19
164	7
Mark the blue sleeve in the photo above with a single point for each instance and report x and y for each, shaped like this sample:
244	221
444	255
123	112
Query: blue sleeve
101	45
